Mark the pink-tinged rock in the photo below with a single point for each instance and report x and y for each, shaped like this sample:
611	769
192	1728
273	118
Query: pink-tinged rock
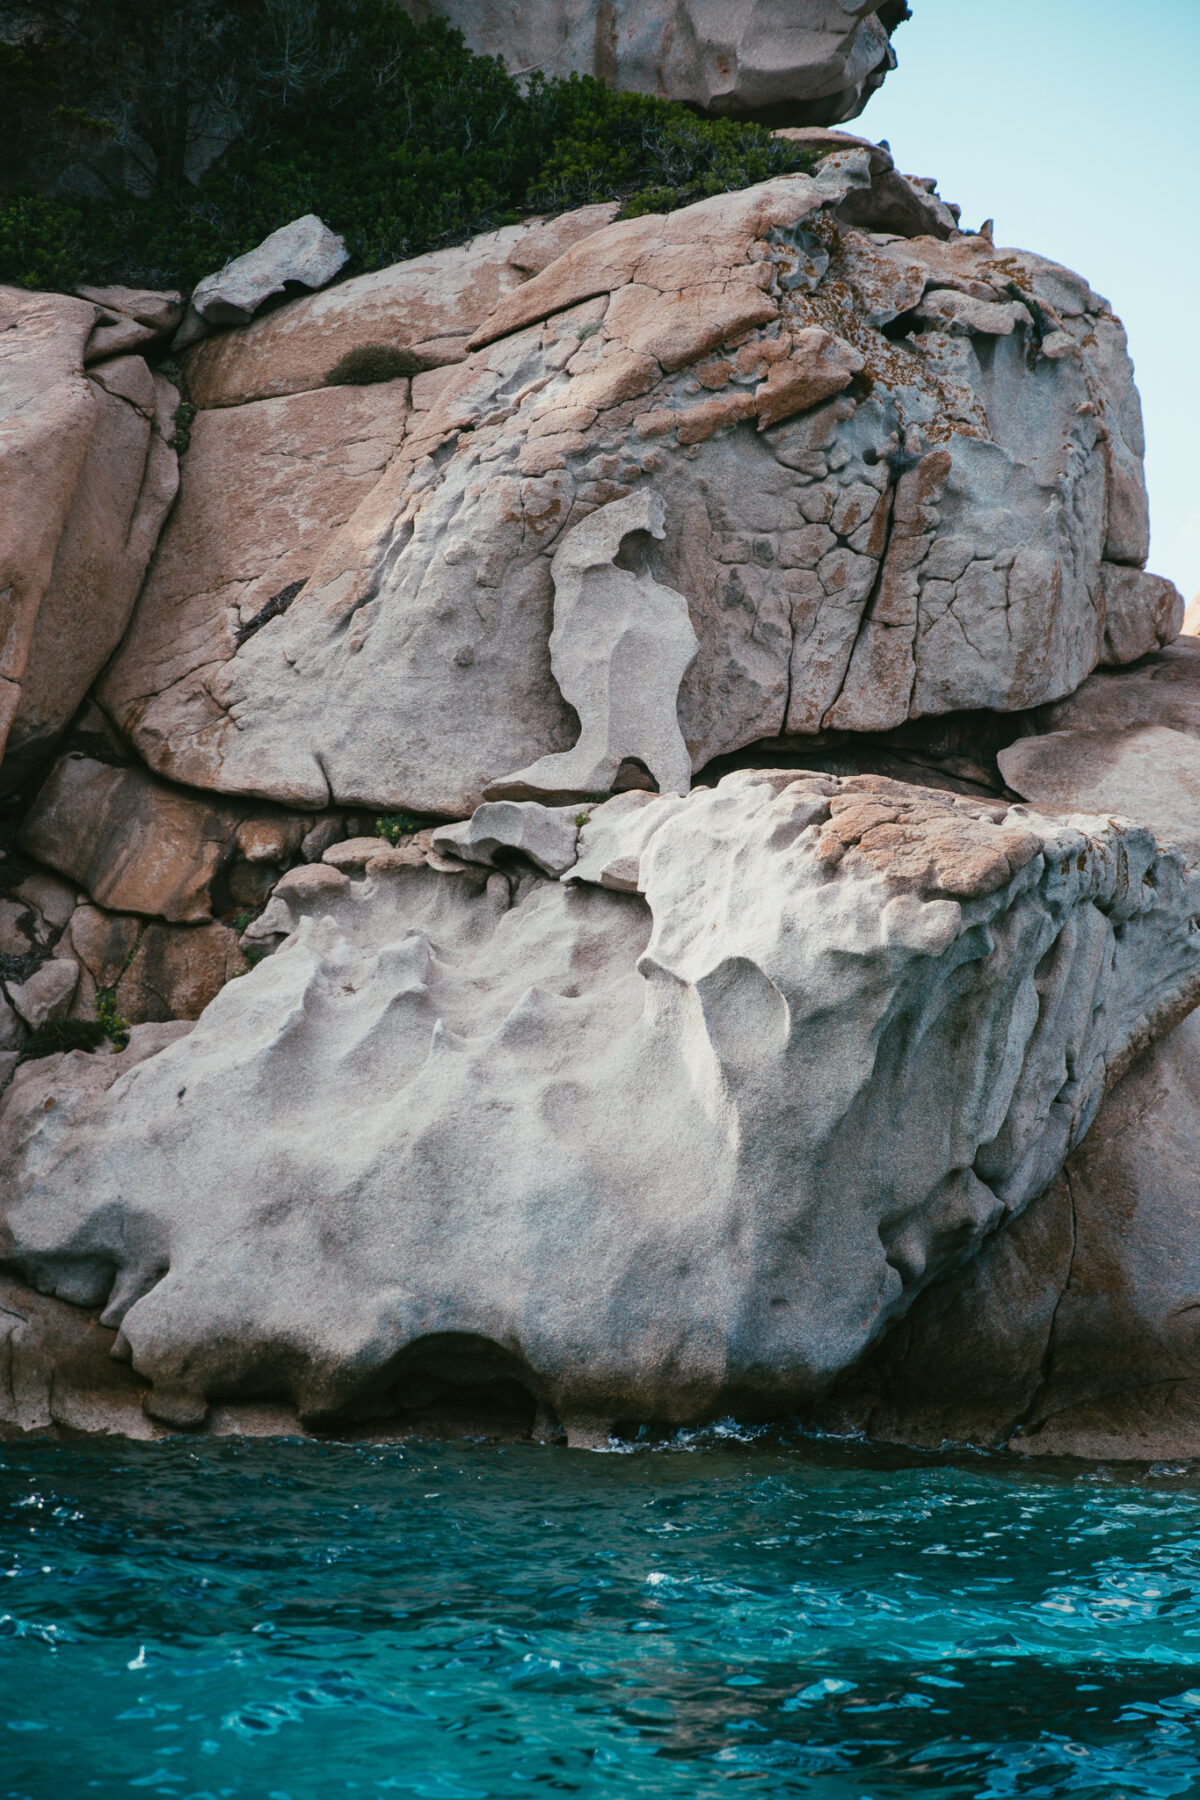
135	844
426	308
46	994
265	488
1127	743
87	476
871	514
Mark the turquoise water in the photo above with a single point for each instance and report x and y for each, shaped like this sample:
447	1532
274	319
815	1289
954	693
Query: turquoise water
312	1621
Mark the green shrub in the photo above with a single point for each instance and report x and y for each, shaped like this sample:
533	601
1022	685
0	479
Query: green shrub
183	419
114	1027
41	242
395	134
59	1035
394	826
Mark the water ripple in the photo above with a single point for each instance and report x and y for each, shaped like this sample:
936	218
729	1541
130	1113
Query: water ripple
304	1621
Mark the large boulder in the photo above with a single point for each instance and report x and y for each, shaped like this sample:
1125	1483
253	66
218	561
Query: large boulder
896	477
88	473
681	1130
799	61
1074	1332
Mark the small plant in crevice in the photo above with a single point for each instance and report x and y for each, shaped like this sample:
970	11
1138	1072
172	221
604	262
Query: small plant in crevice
112	1024
394	826
183	418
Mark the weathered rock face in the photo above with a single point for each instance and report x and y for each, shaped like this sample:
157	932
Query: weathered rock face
1125	744
267	486
305	251
129	319
806	61
761	1063
425	310
87	475
897	477
154	972
136	845
1074	1331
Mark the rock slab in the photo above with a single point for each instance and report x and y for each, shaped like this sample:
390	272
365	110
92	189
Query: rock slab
88	474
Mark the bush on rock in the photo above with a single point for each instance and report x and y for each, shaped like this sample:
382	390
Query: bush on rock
394	133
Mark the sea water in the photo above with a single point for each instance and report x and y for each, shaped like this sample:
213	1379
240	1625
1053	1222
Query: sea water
302	1621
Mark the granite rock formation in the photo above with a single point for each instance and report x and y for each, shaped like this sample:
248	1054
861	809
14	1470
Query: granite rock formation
304	253
87	473
781	1052
899	477
794	61
593	1071
1127	745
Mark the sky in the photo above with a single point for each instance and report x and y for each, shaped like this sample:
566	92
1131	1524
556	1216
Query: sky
1075	124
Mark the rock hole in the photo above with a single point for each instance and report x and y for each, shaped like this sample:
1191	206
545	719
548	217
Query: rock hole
633	773
454	1384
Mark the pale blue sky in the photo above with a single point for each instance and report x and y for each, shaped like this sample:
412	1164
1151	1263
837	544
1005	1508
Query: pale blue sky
1075	124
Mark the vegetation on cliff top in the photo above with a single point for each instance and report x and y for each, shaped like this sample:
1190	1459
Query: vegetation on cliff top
394	133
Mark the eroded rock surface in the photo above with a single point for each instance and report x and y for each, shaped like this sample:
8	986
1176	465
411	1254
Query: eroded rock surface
87	475
806	61
779	1053
267	486
1075	1330
896	476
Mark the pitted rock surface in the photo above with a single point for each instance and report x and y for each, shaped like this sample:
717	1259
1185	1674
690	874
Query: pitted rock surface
673	1149
878	506
425	308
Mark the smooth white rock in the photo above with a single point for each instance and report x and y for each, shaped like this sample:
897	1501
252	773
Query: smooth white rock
656	1154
